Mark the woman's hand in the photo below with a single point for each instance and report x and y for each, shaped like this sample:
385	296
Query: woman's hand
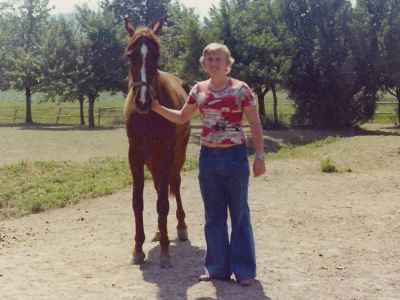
155	104
258	167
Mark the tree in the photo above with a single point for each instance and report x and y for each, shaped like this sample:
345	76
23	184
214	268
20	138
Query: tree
6	36
182	44
255	36
382	26
140	12
322	79
62	70
23	60
390	49
101	65
261	45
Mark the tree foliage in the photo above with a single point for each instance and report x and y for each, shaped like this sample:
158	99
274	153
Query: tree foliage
182	43
24	25
390	51
332	58
384	36
262	49
257	40
140	12
101	66
322	79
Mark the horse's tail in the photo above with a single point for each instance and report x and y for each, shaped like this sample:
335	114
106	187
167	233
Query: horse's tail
180	157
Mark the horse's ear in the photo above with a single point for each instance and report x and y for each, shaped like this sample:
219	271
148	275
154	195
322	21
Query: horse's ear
128	26
158	25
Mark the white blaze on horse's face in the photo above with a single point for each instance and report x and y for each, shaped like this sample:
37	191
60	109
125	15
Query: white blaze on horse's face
143	51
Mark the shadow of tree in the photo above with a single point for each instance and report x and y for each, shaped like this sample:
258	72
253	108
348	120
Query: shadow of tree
52	127
274	140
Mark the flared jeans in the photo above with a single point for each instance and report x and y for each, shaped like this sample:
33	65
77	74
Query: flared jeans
224	179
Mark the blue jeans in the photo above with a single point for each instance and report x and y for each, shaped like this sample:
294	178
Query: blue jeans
224	179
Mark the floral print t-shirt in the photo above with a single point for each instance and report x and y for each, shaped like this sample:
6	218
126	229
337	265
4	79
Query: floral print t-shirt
222	112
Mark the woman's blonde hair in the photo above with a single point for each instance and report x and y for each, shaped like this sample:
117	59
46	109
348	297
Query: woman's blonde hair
217	47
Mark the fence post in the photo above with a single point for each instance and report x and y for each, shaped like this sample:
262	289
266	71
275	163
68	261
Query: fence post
58	115
98	117
15	115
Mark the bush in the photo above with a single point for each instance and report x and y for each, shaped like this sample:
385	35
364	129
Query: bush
328	166
268	123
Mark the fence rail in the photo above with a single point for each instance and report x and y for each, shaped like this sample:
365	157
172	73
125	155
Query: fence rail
56	115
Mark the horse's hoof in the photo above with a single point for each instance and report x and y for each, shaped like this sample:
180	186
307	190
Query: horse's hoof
138	259
165	262
182	234
157	237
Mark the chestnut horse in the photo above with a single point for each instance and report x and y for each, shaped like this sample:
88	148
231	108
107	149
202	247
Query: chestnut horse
154	142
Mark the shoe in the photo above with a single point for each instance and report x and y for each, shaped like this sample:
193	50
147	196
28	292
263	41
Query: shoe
246	282
206	277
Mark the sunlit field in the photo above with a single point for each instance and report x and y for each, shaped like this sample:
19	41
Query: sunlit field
12	110
109	109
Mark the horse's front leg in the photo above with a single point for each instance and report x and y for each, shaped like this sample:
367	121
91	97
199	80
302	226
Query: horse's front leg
161	177
163	210
137	170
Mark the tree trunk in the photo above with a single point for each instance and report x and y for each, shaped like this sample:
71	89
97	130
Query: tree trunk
81	112
260	99
91	111
274	104
28	107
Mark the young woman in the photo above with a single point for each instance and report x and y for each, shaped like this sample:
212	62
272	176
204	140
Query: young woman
223	166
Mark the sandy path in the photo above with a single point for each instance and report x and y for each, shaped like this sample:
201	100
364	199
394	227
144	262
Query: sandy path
318	236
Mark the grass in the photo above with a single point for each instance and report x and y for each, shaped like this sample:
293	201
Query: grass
12	105
328	166
109	107
34	187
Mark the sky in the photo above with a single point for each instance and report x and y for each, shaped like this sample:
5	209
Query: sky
201	6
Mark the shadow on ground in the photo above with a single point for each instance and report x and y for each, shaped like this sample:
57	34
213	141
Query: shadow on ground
187	265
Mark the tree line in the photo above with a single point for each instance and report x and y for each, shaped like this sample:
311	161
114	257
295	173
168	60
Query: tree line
334	60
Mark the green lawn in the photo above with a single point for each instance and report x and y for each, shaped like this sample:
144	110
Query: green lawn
109	109
33	187
12	110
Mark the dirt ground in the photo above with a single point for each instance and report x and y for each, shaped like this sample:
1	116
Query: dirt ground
318	236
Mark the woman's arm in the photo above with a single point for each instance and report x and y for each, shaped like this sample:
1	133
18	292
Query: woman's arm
173	115
257	135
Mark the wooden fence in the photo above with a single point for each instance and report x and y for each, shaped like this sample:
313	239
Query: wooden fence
114	115
62	116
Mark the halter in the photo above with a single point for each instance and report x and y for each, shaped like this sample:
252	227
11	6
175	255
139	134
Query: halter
150	89
139	83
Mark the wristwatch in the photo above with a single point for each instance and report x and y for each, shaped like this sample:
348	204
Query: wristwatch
260	156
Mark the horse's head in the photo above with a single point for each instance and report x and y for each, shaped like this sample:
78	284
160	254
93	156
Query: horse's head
143	52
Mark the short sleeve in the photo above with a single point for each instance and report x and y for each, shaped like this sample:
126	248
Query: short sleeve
246	96
193	95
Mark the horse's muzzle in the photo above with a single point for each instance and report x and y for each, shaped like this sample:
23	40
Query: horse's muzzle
143	105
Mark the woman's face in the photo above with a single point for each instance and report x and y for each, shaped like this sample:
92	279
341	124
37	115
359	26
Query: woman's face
215	63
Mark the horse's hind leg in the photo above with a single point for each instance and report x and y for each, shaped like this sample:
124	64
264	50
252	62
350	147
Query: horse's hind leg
137	170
